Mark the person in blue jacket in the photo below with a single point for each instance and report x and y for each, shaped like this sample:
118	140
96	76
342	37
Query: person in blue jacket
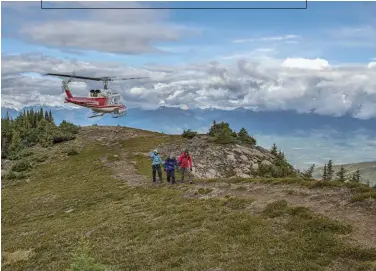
170	165
156	165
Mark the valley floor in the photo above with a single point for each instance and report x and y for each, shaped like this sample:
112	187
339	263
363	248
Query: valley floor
103	197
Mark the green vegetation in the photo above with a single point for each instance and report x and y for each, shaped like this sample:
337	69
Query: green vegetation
31	128
341	174
159	227
189	134
307	174
278	168
145	228
301	218
356	176
82	261
204	191
364	196
221	133
330	170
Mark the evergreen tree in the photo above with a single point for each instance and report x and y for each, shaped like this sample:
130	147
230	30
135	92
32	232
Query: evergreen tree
46	117
31	127
280	155
16	141
50	117
243	132
274	150
341	174
307	174
330	170
245	138
41	114
356	176
325	173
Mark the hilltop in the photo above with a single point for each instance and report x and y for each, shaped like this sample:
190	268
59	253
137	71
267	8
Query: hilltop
367	171
92	196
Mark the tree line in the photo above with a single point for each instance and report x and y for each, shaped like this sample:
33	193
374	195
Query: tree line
32	127
329	174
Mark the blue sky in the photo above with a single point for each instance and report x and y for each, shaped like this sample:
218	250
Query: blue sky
320	61
212	34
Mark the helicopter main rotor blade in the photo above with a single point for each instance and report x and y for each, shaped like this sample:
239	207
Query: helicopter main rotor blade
129	78
75	76
93	78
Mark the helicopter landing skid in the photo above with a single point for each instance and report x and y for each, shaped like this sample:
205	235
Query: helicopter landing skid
96	115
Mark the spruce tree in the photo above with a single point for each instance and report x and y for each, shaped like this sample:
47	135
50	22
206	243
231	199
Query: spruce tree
50	117
325	173
341	174
356	176
330	170
41	114
15	144
307	174
274	150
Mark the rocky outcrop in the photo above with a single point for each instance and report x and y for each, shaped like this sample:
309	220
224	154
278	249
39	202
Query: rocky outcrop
211	160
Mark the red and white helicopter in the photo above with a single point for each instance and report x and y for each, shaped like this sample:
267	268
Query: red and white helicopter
99	101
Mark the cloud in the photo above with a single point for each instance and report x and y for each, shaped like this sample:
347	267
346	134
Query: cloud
113	31
273	38
371	65
304	85
303	63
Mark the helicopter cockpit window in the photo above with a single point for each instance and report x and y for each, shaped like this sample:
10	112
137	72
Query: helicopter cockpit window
114	100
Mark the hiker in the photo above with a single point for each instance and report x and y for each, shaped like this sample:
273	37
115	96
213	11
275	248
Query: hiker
170	165
185	164
156	165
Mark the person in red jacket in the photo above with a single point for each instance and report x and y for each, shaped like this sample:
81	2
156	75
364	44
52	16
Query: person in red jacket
185	163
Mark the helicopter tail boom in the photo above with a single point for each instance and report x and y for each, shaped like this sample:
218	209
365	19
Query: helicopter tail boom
69	94
66	89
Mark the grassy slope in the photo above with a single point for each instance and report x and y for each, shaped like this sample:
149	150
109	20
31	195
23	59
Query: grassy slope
155	228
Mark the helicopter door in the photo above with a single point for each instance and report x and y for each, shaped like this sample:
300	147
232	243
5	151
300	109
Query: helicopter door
115	100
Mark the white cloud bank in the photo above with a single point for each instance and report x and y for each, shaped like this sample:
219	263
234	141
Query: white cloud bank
303	63
304	85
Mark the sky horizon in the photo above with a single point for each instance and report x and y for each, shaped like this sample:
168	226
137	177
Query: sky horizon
320	61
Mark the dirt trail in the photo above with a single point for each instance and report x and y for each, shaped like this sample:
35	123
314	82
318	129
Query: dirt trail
125	169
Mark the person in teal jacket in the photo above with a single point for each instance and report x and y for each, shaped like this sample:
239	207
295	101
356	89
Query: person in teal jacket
156	165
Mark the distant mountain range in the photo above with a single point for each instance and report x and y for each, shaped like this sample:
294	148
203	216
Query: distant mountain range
168	118
367	171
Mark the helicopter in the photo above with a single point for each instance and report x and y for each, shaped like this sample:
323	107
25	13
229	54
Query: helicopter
99	101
